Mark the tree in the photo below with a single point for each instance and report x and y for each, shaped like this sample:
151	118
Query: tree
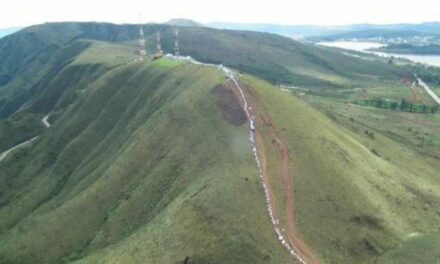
403	105
379	103
391	60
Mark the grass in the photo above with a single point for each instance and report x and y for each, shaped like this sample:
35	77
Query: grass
118	161
32	56
420	131
19	129
280	60
34	78
106	53
54	86
140	165
356	197
416	249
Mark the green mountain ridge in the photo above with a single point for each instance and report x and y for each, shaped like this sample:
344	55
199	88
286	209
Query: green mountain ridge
270	57
149	162
131	196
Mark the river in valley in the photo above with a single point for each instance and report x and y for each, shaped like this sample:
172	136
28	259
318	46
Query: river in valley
433	60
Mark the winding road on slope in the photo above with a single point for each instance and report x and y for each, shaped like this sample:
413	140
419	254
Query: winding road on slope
428	90
291	232
45	121
4	154
289	236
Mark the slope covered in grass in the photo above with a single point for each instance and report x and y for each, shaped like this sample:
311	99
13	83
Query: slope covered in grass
18	129
150	162
144	167
416	249
37	63
271	57
356	197
51	86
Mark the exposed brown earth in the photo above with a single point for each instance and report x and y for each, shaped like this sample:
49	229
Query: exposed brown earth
229	105
291	231
285	169
415	95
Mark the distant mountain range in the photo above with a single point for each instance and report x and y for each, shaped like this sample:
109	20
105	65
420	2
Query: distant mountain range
286	30
335	32
184	22
314	32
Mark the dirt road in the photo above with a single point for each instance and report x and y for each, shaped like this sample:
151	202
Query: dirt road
4	154
285	169
45	121
287	233
428	90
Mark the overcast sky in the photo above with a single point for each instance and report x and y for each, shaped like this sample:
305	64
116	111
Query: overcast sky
320	12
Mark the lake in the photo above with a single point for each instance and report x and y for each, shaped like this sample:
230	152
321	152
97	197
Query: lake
433	60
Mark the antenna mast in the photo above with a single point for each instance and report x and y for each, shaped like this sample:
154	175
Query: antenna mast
159	52
158	45
176	42
142	51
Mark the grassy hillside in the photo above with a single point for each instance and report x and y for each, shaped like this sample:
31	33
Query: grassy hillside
282	60
144	166
32	57
18	129
416	249
43	50
417	130
51	84
29	79
150	162
357	197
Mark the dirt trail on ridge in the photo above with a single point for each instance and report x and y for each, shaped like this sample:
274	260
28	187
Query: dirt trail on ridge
289	230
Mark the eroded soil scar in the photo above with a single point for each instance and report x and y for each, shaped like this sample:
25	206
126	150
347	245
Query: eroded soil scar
230	107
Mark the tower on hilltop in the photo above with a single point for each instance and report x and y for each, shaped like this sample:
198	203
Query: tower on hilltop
176	42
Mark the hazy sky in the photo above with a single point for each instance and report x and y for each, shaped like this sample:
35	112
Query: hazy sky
322	12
